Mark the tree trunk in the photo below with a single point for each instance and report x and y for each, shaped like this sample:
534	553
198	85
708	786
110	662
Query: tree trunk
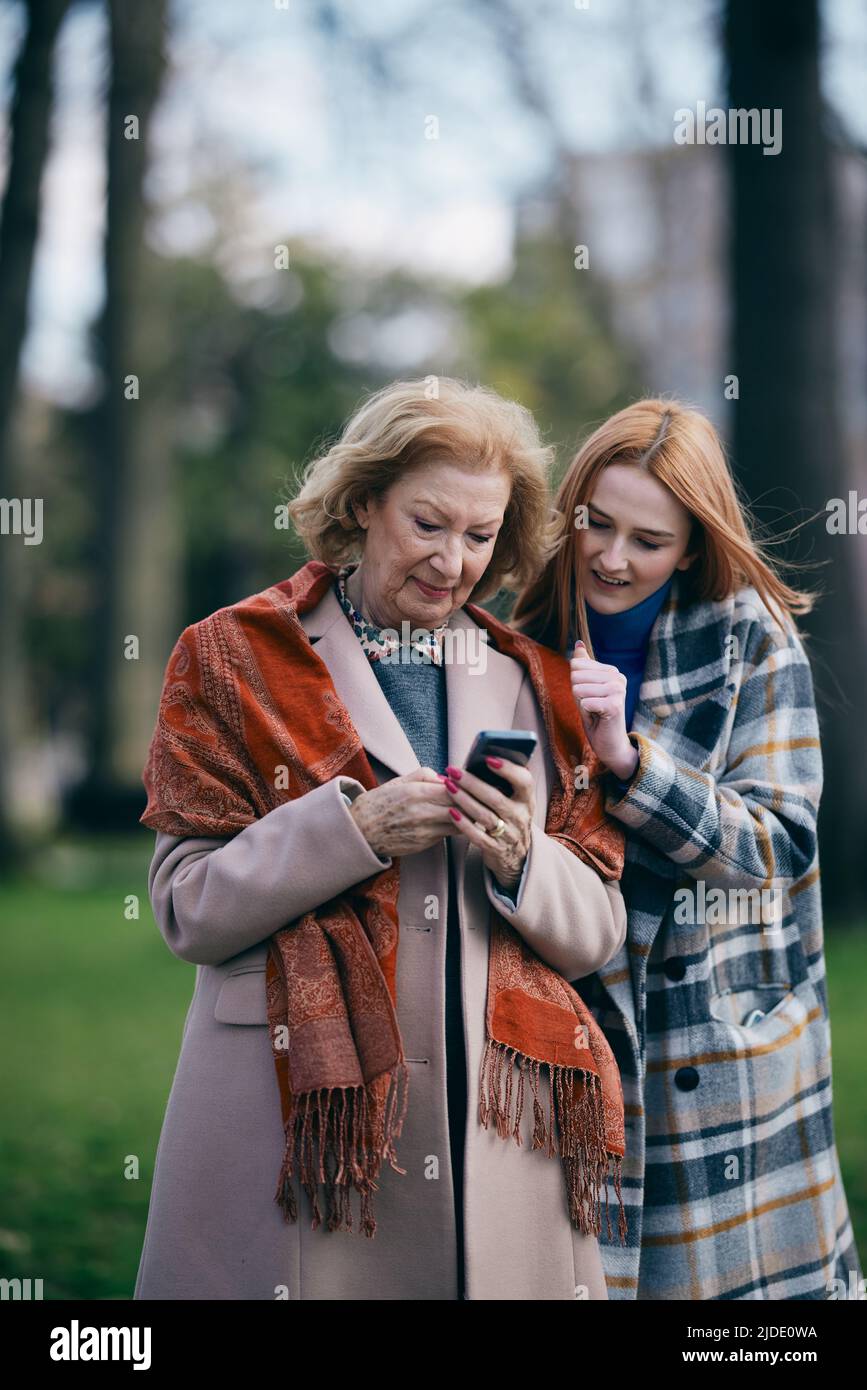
29	136
787	434
136	552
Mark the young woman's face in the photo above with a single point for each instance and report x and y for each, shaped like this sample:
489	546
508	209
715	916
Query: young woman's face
638	534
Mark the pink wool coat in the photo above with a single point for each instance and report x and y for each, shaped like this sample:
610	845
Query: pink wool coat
214	1230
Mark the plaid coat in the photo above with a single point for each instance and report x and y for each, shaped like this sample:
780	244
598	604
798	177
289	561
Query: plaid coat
731	1174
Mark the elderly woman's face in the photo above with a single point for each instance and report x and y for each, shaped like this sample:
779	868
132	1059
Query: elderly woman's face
429	540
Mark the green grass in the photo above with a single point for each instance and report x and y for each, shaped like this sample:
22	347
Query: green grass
846	963
93	1006
93	1011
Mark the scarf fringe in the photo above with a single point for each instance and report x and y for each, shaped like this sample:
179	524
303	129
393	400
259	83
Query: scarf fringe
333	1122
328	1126
582	1146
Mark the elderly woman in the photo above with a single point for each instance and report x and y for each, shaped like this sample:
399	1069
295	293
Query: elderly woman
387	935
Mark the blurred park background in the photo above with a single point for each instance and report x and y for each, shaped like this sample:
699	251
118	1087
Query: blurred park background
221	224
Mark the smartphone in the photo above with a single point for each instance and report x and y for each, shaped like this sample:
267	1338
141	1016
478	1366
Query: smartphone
515	744
752	1017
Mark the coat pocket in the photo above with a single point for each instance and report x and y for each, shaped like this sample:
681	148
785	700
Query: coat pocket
242	997
748	1009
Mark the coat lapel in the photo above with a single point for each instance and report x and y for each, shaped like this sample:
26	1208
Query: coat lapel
623	976
686	659
482	688
481	693
380	731
685	664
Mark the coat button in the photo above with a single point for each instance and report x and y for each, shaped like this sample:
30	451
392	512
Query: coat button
675	967
686	1079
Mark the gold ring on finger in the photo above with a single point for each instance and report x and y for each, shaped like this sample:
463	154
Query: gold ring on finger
498	828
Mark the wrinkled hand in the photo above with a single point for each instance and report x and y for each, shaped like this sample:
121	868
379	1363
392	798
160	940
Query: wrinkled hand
600	694
406	814
473	800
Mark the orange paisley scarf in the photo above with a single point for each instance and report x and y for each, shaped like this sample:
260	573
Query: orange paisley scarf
248	719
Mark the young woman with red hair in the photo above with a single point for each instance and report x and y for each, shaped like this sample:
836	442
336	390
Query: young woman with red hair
696	692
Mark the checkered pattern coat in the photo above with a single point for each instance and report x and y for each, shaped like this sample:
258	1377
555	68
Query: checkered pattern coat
731	1174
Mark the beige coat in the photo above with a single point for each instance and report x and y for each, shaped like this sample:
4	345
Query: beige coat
214	1230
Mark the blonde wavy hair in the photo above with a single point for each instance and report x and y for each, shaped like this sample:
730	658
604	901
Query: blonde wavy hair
677	444
435	419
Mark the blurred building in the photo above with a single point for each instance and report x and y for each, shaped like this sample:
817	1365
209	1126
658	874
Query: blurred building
656	223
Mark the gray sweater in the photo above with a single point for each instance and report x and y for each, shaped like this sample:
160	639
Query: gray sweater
417	694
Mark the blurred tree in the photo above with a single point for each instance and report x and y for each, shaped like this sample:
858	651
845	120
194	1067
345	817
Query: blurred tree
542	339
244	392
259	387
256	377
787	433
29	139
135	555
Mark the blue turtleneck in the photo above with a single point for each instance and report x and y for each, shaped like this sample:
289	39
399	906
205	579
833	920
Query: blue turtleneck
621	640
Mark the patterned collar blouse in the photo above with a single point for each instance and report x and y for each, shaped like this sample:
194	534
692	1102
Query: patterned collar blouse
378	642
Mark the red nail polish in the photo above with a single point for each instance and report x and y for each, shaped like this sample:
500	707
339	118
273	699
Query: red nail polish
454	771
451	785
454	813
494	762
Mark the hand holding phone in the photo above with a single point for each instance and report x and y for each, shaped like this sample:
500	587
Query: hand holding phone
502	832
515	745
